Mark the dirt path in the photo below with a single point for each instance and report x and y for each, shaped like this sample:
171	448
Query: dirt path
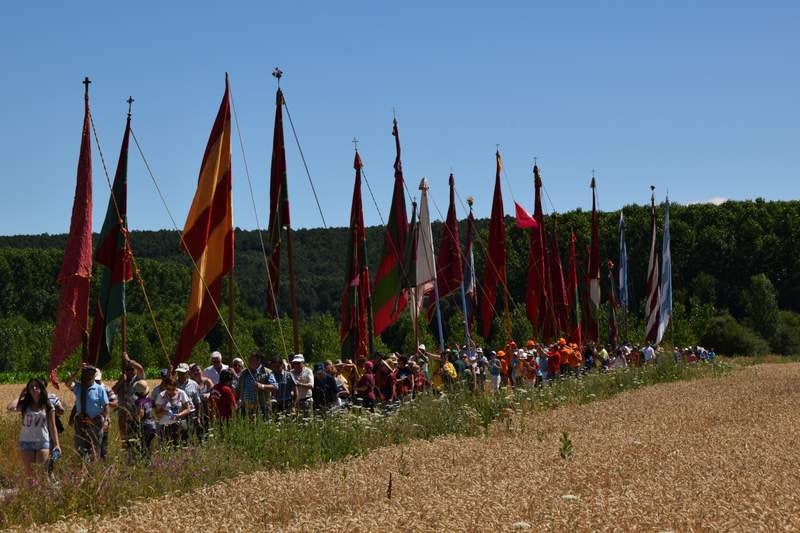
714	454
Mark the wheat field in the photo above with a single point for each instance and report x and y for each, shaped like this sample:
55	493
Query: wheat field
711	454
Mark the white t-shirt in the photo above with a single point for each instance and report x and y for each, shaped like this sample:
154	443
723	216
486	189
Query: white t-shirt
34	426
174	405
306	377
213	374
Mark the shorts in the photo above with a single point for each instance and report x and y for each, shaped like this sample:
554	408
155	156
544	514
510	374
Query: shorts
34	446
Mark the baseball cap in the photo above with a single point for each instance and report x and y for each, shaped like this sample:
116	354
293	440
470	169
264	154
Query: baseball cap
319	367
182	368
141	387
298	358
164	373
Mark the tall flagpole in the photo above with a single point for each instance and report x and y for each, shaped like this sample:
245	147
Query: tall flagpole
125	251
292	294
278	74
231	311
85	344
467	335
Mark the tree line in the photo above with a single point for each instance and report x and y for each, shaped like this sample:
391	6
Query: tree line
736	280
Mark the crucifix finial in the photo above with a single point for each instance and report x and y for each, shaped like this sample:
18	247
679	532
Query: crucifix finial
86	82
355	143
277	74
130	101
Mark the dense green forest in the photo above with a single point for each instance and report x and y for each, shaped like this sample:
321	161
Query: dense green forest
736	279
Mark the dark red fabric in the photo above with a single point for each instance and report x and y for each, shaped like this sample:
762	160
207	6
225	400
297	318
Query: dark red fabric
278	206
353	331
494	272
449	271
524	220
76	267
574	329
557	287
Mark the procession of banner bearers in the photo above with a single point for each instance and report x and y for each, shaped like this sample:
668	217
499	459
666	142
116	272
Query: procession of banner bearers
190	402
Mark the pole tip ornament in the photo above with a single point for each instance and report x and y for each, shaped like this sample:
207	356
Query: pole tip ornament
86	81
277	73
130	101
470	201
423	184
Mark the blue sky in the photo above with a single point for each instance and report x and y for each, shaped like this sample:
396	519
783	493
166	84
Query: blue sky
698	97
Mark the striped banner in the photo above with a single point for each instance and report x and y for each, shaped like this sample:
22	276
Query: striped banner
208	234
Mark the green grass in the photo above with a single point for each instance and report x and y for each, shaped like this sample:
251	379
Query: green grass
293	444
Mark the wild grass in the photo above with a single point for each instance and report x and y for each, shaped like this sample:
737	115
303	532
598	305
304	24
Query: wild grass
291	443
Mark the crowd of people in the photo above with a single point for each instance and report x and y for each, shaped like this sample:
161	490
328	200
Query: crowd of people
190	401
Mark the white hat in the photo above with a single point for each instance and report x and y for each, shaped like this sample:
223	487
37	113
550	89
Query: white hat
298	358
421	347
183	368
237	360
98	376
478	350
216	355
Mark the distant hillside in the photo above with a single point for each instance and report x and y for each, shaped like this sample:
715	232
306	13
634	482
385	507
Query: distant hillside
729	242
715	251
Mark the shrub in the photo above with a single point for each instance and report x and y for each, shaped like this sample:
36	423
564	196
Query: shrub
786	340
728	337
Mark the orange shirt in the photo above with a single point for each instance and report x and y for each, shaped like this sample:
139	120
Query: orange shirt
575	358
505	364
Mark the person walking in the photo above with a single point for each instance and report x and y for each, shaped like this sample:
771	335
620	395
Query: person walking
38	436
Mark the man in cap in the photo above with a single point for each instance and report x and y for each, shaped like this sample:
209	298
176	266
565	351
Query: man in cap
91	413
192	390
304	381
212	372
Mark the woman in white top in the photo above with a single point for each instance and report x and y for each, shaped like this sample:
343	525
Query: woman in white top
38	435
172	405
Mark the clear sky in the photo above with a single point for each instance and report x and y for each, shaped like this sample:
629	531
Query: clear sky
702	98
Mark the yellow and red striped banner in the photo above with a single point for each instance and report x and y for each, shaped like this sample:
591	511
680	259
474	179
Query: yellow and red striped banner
208	234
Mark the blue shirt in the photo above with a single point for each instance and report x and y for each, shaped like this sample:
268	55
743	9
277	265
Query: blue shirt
96	399
285	383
